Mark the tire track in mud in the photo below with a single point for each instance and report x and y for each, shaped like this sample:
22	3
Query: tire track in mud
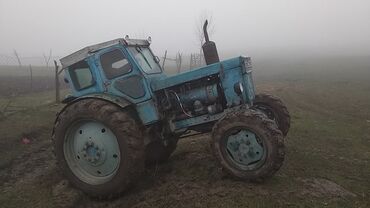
26	161
35	169
190	178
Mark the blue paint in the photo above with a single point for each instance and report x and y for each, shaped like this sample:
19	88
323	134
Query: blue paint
205	94
228	73
193	121
148	112
109	83
197	120
229	79
213	69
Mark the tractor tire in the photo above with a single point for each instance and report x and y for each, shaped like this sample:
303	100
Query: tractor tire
274	109
99	147
248	145
158	152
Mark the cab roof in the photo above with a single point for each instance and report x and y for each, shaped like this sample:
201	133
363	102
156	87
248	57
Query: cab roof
89	50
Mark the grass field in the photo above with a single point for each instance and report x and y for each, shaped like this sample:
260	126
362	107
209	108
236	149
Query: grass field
15	81
327	162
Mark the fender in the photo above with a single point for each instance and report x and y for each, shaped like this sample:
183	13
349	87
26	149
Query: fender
146	111
121	102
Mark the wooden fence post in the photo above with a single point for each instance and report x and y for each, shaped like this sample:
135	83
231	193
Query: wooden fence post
179	61
164	59
191	61
31	79
57	98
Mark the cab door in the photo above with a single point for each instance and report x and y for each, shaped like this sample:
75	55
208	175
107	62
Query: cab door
120	76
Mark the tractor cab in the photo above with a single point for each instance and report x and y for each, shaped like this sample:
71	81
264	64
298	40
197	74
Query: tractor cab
118	67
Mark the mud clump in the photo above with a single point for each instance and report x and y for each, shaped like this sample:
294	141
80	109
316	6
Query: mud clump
319	187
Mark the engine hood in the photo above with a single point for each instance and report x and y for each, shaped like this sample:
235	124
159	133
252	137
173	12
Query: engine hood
170	81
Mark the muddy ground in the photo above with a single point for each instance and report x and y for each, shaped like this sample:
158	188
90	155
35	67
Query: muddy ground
327	162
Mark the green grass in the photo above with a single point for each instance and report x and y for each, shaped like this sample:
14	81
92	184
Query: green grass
329	140
25	71
32	100
34	116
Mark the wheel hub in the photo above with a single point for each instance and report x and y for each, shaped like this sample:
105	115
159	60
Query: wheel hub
92	151
244	148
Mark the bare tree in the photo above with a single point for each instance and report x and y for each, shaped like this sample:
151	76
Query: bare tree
47	58
18	58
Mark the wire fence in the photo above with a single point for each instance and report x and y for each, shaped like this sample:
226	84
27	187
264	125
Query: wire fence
181	62
25	74
178	61
12	60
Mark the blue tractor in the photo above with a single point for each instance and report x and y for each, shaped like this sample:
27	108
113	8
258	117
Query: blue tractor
124	113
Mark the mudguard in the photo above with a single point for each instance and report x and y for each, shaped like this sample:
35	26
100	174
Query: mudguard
121	102
146	111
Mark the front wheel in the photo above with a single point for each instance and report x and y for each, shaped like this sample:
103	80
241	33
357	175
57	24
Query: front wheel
248	145
274	108
99	147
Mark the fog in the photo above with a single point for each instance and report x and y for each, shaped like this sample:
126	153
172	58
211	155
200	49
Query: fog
240	27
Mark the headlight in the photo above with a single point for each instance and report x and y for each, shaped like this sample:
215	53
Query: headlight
238	88
248	63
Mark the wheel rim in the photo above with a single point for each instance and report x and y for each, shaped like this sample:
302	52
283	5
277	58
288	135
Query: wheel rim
245	149
92	152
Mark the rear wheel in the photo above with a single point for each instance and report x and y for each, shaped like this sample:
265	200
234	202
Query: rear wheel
99	147
248	145
274	109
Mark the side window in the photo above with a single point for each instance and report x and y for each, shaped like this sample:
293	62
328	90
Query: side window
115	64
81	75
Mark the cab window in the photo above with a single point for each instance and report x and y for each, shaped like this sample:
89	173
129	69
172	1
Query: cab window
115	64
145	59
81	75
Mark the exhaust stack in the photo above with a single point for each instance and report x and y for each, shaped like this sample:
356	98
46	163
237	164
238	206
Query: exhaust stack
209	48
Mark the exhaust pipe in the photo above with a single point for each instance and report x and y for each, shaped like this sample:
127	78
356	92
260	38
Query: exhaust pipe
209	48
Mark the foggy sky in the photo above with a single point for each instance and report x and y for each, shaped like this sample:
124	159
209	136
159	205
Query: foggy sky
32	27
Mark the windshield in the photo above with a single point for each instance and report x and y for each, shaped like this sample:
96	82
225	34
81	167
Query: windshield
145	59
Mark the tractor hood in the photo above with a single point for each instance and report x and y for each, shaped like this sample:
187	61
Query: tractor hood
170	81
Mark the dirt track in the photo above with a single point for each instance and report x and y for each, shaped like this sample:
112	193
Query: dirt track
191	178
